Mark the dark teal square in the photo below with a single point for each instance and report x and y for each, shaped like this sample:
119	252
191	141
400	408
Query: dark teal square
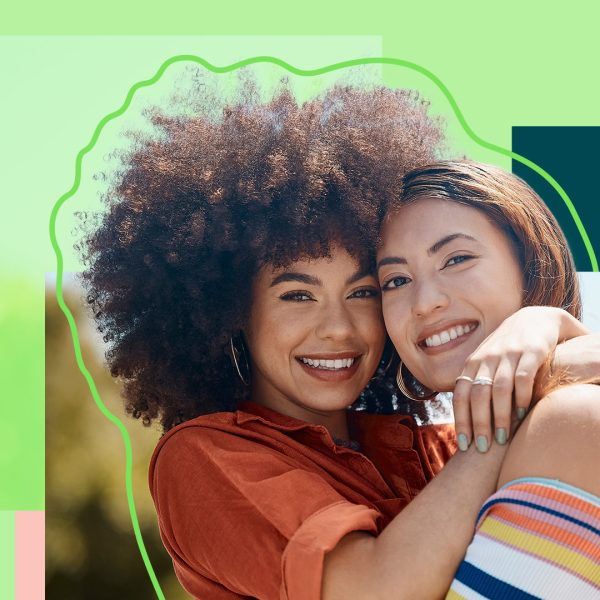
572	156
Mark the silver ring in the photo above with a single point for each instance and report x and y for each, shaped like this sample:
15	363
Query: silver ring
464	378
483	381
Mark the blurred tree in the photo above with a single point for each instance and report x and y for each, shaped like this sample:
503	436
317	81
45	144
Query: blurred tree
91	552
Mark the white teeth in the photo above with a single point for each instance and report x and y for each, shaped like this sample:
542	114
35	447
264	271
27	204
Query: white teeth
332	365
445	336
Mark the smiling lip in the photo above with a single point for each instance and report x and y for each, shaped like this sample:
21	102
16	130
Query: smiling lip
330	374
441	334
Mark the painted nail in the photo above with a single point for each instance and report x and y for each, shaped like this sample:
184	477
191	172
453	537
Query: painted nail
501	436
463	442
482	443
520	413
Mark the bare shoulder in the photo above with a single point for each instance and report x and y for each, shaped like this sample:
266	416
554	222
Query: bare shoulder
564	411
582	396
559	439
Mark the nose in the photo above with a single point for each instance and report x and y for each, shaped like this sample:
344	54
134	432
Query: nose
335	323
428	297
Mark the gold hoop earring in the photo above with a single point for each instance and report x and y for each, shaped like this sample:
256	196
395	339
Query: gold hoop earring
240	355
420	393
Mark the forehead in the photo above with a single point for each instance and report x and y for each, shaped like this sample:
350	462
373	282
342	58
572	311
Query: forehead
340	265
426	220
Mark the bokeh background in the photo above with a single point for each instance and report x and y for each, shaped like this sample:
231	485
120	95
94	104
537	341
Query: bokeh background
90	550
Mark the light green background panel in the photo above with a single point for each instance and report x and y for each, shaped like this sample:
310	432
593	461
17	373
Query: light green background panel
96	74
22	397
7	556
506	63
55	92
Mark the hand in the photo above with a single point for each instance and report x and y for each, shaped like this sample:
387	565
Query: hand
506	362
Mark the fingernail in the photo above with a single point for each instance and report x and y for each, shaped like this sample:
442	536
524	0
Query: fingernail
501	436
482	443
463	442
520	413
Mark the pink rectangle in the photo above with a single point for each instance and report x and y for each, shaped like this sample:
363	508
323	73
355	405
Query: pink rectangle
29	555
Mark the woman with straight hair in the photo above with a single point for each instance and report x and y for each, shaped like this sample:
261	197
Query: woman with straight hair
465	247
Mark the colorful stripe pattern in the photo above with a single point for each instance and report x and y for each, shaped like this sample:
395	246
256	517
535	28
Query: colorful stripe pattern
535	538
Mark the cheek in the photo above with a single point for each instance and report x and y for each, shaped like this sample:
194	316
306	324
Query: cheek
503	295
394	315
519	288
378	333
262	335
376	316
369	325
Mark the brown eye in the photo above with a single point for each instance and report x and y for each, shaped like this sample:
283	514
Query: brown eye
456	260
395	282
296	297
365	293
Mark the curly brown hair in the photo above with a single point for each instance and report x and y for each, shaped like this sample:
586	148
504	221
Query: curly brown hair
196	211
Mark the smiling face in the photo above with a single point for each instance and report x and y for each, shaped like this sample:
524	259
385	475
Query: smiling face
449	278
315	336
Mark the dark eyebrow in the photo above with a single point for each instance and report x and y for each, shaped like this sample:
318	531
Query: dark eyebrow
391	260
446	240
400	260
358	276
311	280
299	277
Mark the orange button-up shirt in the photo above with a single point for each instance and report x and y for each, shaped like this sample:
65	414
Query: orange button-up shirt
249	502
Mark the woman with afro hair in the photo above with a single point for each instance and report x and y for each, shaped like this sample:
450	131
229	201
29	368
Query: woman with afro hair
233	278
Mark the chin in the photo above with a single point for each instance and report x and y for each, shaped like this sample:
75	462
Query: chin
446	387
443	378
437	384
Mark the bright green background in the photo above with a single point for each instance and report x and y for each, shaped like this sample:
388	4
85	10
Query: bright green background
7	559
509	63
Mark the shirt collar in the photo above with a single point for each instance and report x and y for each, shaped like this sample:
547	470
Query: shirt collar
393	430
251	411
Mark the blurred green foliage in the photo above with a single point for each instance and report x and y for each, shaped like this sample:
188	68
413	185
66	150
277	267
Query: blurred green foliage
91	552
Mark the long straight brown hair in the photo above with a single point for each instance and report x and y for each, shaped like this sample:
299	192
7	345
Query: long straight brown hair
512	206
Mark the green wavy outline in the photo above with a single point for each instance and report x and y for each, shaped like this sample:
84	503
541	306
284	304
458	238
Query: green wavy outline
226	69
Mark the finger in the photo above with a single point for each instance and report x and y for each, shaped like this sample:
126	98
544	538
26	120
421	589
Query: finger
502	398
524	378
481	410
462	413
462	406
481	415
